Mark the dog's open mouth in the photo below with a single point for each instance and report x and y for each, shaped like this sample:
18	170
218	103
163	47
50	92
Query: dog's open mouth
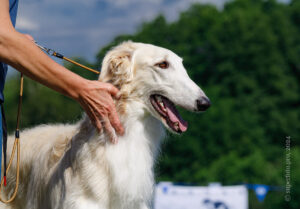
169	113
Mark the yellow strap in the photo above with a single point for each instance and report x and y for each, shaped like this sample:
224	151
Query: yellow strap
17	139
80	65
16	145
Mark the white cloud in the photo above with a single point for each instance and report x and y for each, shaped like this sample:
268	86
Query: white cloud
124	3
175	7
81	27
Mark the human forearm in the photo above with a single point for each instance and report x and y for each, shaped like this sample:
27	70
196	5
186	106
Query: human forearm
21	53
95	97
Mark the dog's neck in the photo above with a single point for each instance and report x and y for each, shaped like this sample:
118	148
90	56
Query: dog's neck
131	160
141	127
128	165
135	152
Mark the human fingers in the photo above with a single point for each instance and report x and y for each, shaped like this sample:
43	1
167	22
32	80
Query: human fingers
94	119
110	88
97	124
112	113
115	121
110	131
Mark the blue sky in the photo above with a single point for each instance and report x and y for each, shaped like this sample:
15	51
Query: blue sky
82	27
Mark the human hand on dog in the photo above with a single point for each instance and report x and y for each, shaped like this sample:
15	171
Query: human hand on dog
96	100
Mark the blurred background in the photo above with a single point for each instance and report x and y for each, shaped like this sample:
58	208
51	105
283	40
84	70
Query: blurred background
245	54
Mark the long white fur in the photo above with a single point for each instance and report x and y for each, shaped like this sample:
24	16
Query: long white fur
74	167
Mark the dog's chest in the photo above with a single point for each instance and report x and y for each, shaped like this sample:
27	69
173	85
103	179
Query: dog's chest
131	161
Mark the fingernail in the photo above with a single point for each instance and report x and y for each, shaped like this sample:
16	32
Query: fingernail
115	140
118	96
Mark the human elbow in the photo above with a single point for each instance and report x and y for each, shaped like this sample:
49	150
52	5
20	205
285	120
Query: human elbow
5	42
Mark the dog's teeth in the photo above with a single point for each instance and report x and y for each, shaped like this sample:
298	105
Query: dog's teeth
160	102
158	98
162	105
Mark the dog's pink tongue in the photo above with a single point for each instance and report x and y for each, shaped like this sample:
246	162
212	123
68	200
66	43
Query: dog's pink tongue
175	116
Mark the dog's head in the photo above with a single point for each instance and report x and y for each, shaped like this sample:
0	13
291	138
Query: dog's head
155	79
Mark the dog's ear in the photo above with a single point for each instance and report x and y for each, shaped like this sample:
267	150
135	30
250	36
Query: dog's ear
117	65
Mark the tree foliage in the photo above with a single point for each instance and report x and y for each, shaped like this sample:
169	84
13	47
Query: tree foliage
246	58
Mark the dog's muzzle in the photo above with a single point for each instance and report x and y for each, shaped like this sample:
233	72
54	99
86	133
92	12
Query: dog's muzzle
203	103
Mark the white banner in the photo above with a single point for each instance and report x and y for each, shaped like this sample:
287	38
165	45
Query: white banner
168	196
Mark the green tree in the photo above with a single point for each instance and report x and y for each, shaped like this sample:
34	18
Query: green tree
246	58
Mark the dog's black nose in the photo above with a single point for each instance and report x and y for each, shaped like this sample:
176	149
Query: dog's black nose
203	104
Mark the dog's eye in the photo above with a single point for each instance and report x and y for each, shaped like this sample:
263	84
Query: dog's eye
163	65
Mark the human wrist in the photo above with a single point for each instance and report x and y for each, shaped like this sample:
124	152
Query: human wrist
77	88
6	40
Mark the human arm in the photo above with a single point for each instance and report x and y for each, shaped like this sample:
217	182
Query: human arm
21	53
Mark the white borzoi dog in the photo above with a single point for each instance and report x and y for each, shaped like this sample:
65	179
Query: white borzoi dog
74	167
